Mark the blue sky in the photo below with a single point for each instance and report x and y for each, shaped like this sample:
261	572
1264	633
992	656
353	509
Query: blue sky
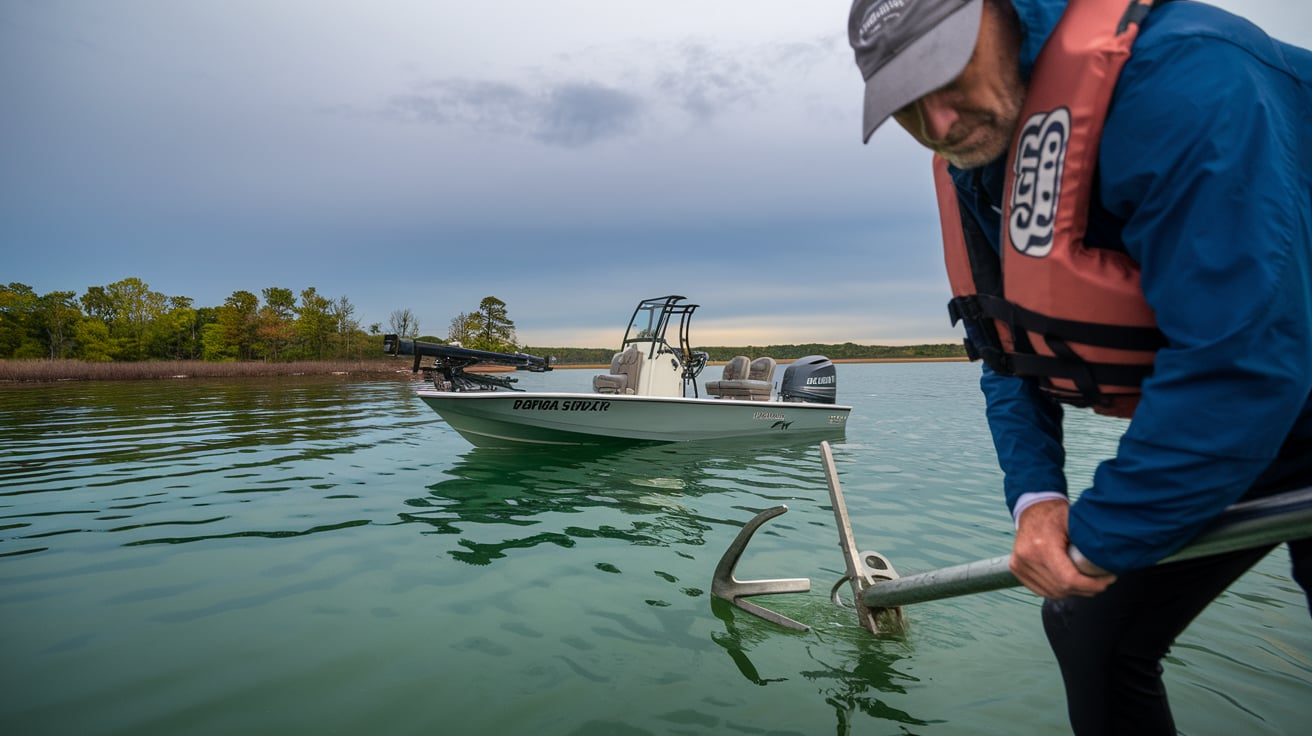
569	158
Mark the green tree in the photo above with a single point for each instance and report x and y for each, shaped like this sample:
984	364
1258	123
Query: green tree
96	303
494	329
129	307
91	335
314	323
462	329
19	320
176	333
276	322
237	322
215	345
58	314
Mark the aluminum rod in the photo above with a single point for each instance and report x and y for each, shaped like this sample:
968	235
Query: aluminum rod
1257	523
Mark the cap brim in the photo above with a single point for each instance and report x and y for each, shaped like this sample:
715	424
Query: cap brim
928	63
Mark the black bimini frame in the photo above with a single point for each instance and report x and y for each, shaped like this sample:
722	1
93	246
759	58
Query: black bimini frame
650	329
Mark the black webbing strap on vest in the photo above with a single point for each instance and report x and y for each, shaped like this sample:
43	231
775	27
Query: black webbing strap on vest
1058	335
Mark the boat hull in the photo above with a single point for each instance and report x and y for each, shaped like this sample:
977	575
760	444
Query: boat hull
509	419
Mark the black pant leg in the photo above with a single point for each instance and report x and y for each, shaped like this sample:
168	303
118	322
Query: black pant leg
1300	557
1109	647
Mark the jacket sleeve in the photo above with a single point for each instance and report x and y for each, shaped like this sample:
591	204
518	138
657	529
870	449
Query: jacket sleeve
1205	158
1025	424
1027	435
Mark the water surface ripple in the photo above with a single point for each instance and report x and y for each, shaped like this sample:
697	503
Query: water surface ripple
309	555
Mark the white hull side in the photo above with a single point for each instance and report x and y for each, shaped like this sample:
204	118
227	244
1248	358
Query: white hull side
503	418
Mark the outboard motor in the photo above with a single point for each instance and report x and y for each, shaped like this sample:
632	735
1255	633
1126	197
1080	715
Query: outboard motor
812	380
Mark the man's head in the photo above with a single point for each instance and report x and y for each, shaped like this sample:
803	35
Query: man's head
947	70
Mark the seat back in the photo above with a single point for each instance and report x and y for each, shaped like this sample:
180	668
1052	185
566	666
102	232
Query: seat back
762	370
625	367
736	369
737	383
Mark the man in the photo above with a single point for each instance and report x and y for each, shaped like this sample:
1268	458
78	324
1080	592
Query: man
1129	230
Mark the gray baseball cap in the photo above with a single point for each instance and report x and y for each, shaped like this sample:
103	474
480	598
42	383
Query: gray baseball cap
909	48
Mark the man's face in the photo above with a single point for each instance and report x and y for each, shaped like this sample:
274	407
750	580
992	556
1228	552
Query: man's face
971	120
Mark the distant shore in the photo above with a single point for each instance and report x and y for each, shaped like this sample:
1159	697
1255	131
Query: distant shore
51	371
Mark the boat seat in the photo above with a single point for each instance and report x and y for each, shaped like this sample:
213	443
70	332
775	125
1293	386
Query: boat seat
762	370
735	370
744	379
625	367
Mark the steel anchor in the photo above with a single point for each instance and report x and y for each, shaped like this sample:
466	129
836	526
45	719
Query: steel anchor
864	569
729	588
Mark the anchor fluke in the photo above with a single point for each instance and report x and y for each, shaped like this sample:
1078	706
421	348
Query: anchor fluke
729	588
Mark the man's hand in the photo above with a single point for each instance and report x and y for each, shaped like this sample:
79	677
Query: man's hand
1040	559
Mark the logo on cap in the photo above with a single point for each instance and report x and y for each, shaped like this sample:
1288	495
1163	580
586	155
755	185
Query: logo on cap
878	17
1040	158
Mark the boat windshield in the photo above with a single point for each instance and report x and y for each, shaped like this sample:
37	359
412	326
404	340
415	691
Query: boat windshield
646	323
653	318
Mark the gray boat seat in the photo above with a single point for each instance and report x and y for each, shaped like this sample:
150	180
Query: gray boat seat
744	379
625	367
762	370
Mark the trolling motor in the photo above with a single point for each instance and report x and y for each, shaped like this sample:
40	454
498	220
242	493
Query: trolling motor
879	593
450	362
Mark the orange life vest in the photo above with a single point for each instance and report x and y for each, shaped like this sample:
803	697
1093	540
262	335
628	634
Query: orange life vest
1072	316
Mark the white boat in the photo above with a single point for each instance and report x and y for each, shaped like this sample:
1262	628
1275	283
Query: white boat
650	393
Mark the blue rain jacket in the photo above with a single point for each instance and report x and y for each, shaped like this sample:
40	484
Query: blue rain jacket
1204	179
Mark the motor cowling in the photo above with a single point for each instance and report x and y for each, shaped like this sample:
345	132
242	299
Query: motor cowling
812	380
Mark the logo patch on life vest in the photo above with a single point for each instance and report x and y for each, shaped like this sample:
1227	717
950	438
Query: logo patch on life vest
1040	158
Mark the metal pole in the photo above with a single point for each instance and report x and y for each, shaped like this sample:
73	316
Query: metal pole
1257	523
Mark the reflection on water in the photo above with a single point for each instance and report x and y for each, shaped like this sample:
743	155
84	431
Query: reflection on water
650	484
319	554
854	678
187	459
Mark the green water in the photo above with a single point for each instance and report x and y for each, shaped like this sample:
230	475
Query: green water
315	555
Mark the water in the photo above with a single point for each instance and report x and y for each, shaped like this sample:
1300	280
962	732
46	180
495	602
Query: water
322	555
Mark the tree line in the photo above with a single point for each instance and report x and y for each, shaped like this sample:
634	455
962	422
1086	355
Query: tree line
128	321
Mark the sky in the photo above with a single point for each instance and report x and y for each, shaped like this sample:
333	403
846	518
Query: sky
569	158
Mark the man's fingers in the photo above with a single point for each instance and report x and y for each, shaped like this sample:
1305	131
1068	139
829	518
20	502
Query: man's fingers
1055	576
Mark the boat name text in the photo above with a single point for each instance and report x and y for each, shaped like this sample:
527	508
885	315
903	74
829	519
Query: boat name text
767	415
559	405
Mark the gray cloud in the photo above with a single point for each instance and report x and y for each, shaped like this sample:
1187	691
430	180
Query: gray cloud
696	80
704	83
483	105
570	115
576	115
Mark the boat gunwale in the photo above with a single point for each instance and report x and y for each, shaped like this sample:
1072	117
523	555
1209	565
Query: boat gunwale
697	400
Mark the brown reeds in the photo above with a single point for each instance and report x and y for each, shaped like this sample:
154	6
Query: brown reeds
42	371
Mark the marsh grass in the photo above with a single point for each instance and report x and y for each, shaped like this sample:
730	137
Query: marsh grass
45	371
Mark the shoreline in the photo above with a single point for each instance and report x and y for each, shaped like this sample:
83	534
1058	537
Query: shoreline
33	372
